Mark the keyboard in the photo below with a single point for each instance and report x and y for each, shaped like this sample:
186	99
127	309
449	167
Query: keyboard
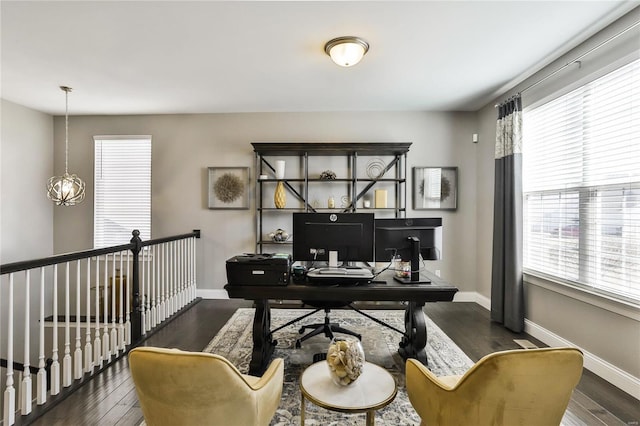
350	272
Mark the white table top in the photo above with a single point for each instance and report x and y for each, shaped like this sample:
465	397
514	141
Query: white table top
374	389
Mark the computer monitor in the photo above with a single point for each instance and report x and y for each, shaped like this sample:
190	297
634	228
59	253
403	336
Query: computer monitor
348	234
409	239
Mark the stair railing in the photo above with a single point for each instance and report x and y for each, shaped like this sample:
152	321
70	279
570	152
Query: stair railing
112	298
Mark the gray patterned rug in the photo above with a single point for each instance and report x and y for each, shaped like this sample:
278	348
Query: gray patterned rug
380	345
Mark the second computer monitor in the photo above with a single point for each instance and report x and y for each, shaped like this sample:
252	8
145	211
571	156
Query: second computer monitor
394	237
349	234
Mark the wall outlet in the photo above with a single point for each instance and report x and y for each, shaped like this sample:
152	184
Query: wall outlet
438	272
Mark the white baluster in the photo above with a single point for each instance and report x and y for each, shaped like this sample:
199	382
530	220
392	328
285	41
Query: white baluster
143	298
181	280
55	365
88	350
26	390
189	277
162	280
144	289
167	281
66	360
121	308
41	378
172	279
97	348
127	329
10	392
148	292
194	279
176	280
187	273
77	354
106	353
114	325
154	285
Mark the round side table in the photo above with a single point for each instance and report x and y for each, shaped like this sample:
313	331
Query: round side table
374	389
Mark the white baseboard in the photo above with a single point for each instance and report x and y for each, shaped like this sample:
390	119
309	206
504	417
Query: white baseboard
472	296
207	293
609	372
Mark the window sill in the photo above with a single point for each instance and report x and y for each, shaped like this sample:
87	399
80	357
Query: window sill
617	306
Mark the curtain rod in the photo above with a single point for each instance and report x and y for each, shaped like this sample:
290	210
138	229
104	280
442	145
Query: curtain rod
577	60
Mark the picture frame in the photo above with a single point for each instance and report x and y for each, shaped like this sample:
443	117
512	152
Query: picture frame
228	188
435	188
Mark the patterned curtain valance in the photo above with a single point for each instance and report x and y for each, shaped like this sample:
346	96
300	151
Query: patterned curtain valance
509	128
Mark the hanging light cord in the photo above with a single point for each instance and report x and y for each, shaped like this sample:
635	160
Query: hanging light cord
66	128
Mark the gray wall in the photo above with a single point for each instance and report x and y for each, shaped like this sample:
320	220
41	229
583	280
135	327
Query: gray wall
26	214
185	145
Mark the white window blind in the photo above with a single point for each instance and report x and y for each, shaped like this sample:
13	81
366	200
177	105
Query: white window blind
122	189
581	184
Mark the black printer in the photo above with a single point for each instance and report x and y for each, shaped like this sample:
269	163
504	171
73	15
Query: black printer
259	269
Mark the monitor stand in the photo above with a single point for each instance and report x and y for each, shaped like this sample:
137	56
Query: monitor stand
415	277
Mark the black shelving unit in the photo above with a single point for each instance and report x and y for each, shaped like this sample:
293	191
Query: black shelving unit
358	182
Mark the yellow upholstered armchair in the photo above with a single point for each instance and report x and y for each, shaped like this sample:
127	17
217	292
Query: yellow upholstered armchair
518	387
196	388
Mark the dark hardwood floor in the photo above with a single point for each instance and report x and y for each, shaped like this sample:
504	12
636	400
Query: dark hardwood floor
110	398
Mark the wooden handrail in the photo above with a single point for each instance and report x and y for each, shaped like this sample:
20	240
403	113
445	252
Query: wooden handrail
8	268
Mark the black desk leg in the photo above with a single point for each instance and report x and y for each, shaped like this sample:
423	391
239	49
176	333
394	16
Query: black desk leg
263	345
416	328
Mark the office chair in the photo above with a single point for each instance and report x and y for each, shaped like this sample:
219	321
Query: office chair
327	327
511	388
176	387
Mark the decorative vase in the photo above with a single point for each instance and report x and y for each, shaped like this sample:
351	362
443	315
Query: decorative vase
280	197
280	165
345	359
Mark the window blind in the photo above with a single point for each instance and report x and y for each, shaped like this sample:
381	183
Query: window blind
122	189
581	184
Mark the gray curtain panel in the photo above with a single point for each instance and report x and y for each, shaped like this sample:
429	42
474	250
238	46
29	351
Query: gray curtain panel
507	298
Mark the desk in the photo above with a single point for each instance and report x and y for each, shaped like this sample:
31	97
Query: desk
373	390
412	344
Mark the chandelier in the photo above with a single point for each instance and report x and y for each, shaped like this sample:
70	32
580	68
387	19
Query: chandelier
66	190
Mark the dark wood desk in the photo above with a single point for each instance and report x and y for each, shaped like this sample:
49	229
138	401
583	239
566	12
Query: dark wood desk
413	342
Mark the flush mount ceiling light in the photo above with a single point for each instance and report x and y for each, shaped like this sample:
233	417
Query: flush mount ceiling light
66	190
346	51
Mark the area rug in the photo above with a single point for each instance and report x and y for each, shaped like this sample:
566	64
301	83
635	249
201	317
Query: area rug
234	341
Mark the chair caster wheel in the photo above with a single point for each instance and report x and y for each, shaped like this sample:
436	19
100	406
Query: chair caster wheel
301	330
359	337
298	344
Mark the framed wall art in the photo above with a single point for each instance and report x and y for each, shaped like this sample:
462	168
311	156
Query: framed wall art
229	188
435	188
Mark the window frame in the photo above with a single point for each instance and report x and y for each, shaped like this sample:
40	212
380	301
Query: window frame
108	138
588	293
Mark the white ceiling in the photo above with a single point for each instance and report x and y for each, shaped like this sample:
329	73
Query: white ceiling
156	57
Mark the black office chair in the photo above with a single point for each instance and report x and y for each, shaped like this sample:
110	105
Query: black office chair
327	327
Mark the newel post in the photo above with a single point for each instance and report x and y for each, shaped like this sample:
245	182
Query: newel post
136	317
